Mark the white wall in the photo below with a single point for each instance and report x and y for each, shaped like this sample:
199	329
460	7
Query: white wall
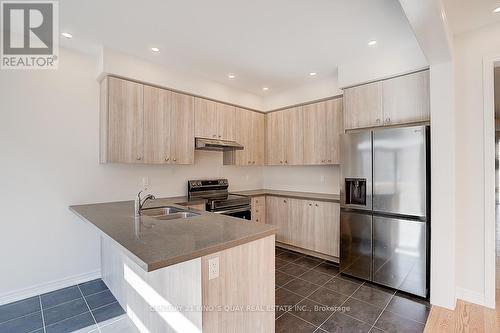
470	48
114	62
316	88
376	65
320	179
49	140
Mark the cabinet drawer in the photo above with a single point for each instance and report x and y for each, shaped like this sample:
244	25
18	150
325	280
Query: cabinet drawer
259	201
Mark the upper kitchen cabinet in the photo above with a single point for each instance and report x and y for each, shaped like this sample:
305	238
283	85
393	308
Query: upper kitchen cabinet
363	106
406	99
122	116
214	120
401	100
323	124
144	124
293	121
250	133
226	118
275	136
182	129
285	137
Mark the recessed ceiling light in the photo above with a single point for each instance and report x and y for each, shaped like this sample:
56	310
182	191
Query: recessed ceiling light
231	76
67	35
496	10
155	49
372	43
313	74
265	88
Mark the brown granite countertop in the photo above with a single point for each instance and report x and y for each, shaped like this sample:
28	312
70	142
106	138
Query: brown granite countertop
292	194
154	244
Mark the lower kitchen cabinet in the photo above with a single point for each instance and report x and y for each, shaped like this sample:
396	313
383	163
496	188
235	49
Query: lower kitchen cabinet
311	225
259	209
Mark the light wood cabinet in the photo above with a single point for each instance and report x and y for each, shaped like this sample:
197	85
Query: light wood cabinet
321	222
156	125
259	209
205	118
363	106
181	129
305	135
293	121
144	124
123	126
406	99
285	137
226	118
214	120
250	133
401	100
277	215
323	124
258	141
307	224
275	136
246	277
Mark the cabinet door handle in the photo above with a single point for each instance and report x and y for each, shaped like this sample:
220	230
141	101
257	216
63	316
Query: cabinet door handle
253	162
317	205
220	136
281	162
167	159
249	162
138	158
175	160
284	201
286	162
310	204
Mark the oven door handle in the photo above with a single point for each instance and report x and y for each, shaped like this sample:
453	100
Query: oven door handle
236	210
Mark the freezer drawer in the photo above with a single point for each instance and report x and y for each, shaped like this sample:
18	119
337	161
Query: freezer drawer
399	171
356	244
400	254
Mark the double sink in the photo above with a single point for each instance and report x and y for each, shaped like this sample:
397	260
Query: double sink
168	213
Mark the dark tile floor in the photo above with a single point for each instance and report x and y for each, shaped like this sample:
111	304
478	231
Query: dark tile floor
87	307
312	296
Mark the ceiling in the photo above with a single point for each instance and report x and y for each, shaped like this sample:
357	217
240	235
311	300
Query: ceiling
265	43
467	15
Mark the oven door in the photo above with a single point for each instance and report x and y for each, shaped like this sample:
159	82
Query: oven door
244	212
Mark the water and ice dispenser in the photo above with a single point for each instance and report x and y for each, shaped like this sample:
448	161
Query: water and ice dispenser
355	191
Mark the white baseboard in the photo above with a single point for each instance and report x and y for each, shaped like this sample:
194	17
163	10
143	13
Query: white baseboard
470	296
48	287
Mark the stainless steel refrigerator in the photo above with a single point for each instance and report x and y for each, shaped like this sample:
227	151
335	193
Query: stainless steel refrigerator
385	207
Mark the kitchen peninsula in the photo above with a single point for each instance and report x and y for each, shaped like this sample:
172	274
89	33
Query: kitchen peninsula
186	274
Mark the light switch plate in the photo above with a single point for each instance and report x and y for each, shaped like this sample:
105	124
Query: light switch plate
213	268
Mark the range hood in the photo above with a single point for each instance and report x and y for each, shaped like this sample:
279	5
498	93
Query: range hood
216	145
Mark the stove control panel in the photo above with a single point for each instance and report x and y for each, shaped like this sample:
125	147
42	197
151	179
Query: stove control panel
207	185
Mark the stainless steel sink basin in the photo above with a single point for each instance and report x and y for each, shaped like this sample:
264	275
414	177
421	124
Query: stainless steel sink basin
168	213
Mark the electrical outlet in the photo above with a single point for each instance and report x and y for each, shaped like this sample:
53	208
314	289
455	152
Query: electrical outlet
145	182
213	268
